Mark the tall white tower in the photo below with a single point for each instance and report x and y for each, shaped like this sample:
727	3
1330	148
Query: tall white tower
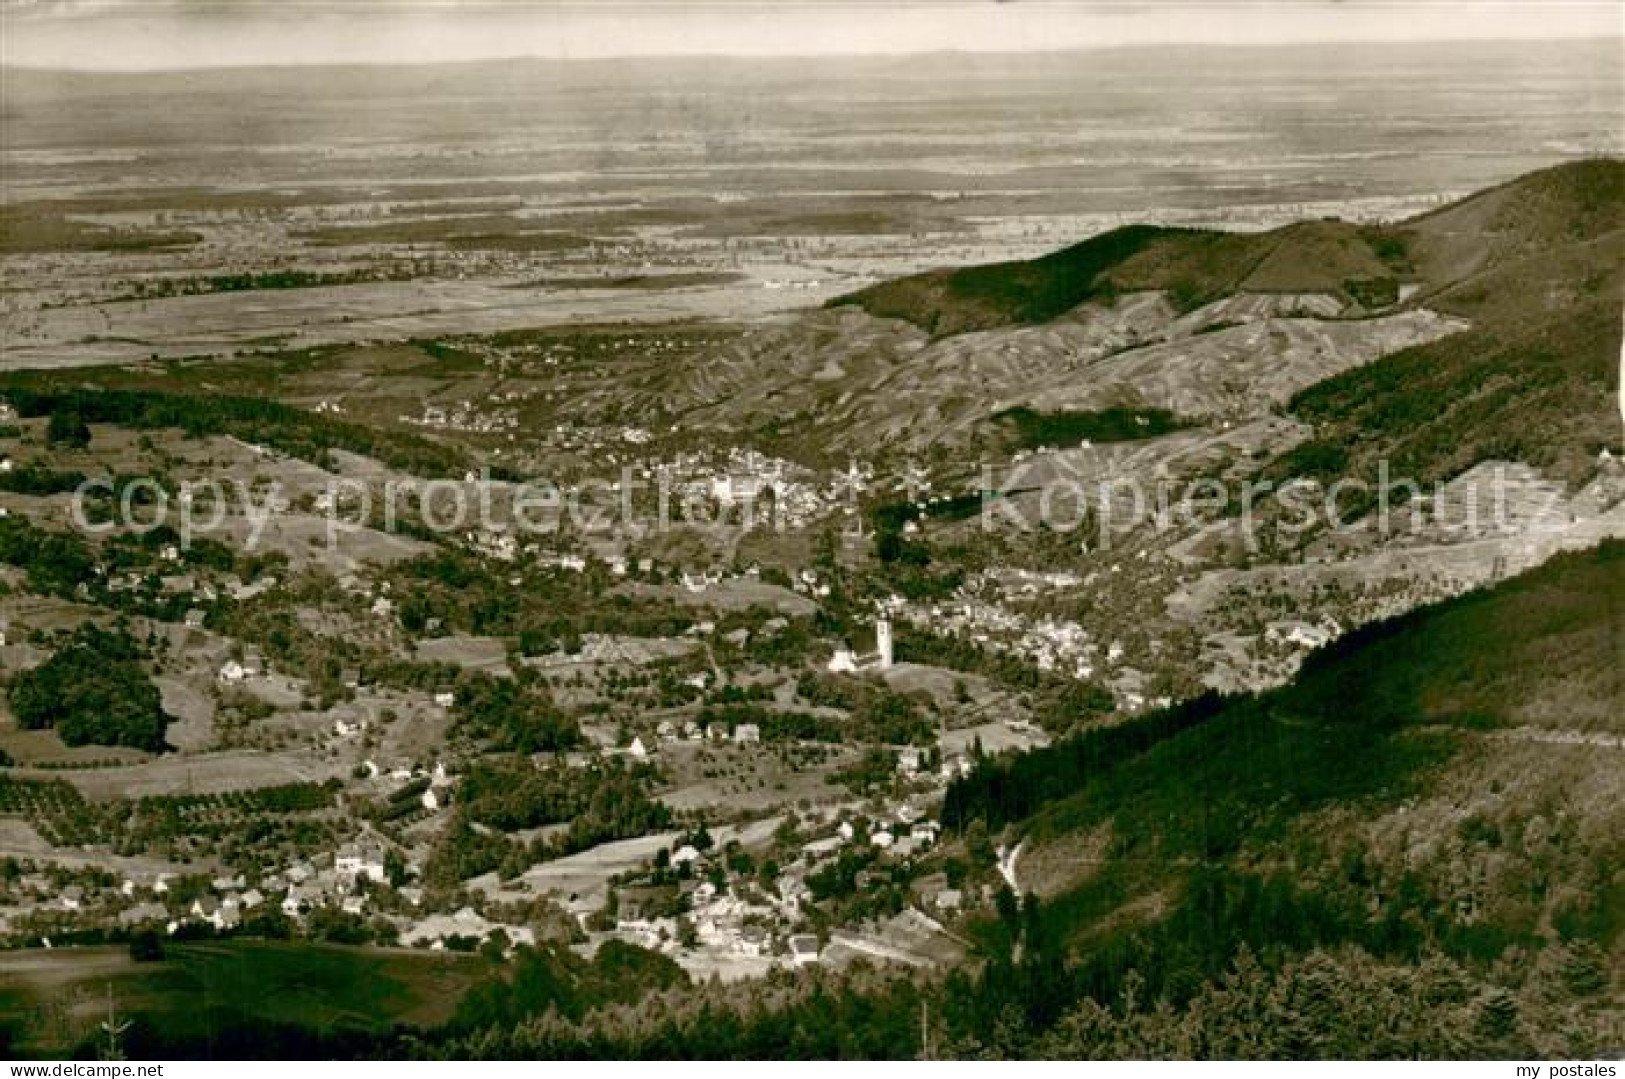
883	642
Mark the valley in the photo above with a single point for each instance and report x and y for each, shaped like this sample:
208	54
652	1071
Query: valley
789	574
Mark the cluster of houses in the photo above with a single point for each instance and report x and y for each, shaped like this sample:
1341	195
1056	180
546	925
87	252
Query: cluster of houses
1296	633
178	582
615	445
235	672
466	417
748	477
688	905
721	920
222	903
808	582
775	492
748	921
1052	644
667	732
437	932
431	788
569	437
904	835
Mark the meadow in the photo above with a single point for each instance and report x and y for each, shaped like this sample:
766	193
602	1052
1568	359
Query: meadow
51	1000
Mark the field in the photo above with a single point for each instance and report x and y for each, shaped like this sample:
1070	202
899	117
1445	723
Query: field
537	230
52	1000
194	773
725	778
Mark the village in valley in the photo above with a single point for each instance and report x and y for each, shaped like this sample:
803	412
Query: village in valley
718	722
566	559
345	758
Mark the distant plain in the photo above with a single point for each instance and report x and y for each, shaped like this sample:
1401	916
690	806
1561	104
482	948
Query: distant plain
225	212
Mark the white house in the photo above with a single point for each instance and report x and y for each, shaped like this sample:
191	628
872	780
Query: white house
924	833
803	949
363	857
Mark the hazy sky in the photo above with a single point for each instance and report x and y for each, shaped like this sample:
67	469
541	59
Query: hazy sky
146	34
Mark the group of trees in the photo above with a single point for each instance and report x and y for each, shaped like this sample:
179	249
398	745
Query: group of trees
914	645
291	430
67	429
455	591
775	725
516	714
876	712
56	562
65	564
512	795
595	805
161	287
1004	789
93	690
996	294
552	978
40	481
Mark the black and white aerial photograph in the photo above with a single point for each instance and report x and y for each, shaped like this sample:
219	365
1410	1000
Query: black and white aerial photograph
900	530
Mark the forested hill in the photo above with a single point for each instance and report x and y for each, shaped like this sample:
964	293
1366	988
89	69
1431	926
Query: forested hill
1539	267
1543	649
1446	781
1442	253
